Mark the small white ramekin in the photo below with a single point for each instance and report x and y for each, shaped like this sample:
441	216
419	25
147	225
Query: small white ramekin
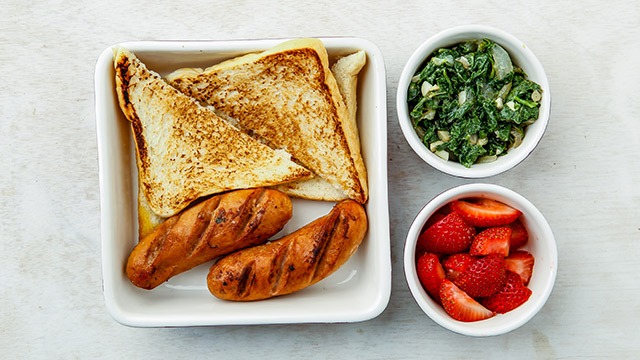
520	55
541	245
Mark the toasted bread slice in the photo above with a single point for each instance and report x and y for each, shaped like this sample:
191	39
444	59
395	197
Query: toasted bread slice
345	71
288	98
185	151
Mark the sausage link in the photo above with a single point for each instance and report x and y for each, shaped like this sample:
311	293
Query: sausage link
291	263
215	227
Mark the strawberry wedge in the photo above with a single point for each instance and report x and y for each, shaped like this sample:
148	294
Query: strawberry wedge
485	212
461	306
430	274
484	277
519	235
494	240
449	235
520	262
456	264
512	295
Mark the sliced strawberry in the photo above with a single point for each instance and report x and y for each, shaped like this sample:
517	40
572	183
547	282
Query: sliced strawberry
448	236
482	212
455	264
484	277
512	295
461	306
520	262
494	240
430	274
519	235
438	215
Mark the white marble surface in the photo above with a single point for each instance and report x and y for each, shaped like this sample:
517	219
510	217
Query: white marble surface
583	176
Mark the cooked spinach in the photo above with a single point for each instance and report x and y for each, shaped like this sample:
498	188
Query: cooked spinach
469	103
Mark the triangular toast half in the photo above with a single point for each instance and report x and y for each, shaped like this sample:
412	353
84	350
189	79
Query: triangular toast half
287	97
345	71
184	150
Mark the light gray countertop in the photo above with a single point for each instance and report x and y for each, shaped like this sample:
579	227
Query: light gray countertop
583	176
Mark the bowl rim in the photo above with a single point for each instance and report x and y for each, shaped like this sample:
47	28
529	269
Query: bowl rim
485	327
506	40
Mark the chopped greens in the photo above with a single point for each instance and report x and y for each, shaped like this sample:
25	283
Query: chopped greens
470	103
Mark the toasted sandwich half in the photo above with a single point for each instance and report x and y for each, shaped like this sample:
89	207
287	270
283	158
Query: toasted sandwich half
184	150
345	71
287	97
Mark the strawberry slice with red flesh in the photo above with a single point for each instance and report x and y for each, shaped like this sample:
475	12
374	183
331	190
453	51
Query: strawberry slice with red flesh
520	262
450	235
484	277
513	294
519	235
430	274
494	240
460	305
456	264
480	212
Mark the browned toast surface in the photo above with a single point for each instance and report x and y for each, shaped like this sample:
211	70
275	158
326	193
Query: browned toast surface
185	150
288	98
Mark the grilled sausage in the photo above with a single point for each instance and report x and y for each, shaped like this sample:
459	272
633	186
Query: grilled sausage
215	227
294	262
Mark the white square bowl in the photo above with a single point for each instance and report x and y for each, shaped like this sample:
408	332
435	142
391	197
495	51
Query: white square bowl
358	291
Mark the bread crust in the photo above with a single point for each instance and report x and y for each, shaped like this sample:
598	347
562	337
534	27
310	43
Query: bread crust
212	228
346	71
291	263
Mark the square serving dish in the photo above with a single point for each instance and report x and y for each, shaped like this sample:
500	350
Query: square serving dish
358	291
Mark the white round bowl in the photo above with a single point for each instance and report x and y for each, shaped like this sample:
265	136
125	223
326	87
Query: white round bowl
520	55
541	245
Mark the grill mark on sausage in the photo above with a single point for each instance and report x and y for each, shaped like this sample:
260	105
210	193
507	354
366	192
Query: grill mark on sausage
151	258
152	255
205	214
253	218
328	234
157	247
278	264
337	246
244	279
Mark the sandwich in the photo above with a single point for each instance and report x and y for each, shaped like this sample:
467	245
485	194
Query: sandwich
184	150
288	98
